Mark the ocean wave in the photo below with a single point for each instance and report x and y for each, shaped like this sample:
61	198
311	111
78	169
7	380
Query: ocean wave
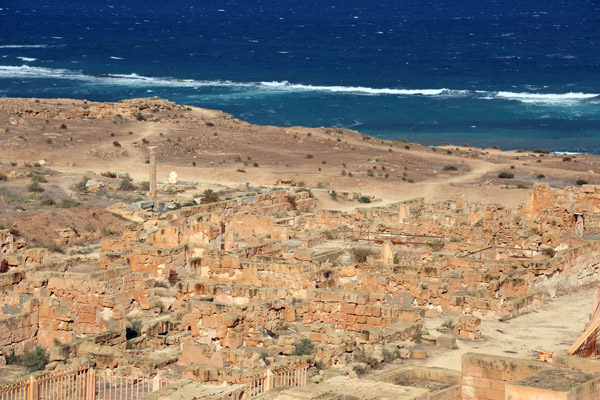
134	80
291	87
27	59
548	98
24	46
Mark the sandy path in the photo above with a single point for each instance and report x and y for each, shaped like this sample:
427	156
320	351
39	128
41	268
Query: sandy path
552	329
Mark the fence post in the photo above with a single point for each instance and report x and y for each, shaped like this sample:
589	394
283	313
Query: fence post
156	382
269	380
32	389
90	390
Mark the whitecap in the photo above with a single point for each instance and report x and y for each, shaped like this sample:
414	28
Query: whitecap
117	58
27	59
547	98
24	46
134	80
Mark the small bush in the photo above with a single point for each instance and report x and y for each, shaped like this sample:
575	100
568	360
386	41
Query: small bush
68	203
541	151
548	251
81	185
159	305
506	175
388	356
329	235
145	186
333	194
448	324
581	182
34	360
309	156
145	141
126	185
47	201
63	126
360	254
34	187
304	348
450	168
140	117
370	172
161	284
3	177
566	159
436	244
209	123
209	196
37	177
364	199
116	144
109	174
360	369
541	176
55	248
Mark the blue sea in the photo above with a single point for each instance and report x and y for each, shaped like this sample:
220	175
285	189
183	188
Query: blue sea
516	74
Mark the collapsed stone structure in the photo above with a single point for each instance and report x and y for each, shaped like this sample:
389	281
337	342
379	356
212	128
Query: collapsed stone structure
226	289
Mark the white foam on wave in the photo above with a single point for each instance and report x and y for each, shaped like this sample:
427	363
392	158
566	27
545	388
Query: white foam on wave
27	59
134	80
291	87
117	58
24	46
548	98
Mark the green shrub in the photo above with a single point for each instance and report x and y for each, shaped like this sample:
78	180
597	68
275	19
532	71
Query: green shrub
436	244
370	172
388	356
209	196
68	203
360	254
126	185
34	360
541	176
328	235
364	199
333	194
159	305
360	369
309	156
81	185
506	175
34	187
304	348
12	358
161	284
47	201
448	324
581	182
450	168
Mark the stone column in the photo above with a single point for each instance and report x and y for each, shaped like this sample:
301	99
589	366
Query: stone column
153	176
388	252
